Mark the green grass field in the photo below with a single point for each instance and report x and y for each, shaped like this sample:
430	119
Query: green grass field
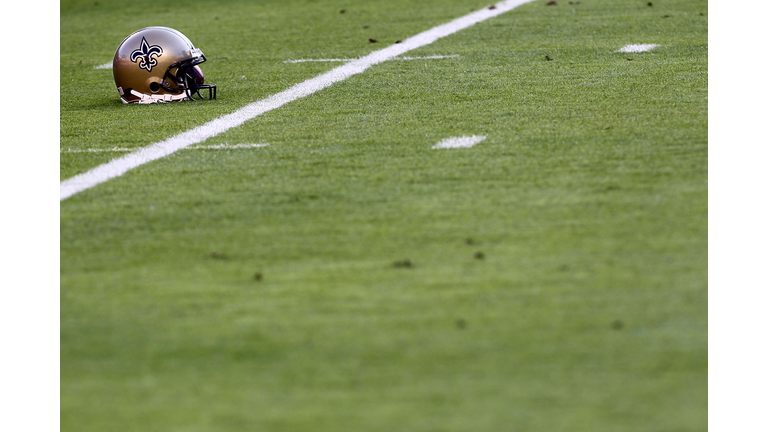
557	276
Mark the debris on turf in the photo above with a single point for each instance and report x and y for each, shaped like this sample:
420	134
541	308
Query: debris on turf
551	3
492	7
469	241
461	324
258	277
617	325
401	264
479	255
372	40
217	255
548	58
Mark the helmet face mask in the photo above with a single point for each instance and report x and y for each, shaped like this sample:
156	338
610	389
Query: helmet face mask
188	76
160	64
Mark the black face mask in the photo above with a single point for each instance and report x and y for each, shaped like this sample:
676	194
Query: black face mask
190	79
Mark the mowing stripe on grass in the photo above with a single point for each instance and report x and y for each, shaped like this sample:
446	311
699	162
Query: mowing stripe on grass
97	150
429	57
339	60
120	166
459	142
123	149
227	146
342	60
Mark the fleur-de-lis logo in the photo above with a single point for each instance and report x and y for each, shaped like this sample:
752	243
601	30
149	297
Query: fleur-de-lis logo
144	55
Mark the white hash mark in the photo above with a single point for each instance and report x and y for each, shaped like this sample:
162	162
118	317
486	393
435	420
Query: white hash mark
459	142
636	48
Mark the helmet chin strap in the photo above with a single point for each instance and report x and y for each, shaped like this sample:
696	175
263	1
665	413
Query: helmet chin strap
148	99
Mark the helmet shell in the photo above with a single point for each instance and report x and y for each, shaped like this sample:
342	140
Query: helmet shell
146	62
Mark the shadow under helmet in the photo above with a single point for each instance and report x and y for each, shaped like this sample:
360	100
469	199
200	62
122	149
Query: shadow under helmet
159	64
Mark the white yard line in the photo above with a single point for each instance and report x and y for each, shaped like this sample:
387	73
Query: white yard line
459	142
636	48
121	165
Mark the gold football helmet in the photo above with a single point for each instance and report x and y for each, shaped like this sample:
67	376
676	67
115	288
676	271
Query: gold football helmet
159	64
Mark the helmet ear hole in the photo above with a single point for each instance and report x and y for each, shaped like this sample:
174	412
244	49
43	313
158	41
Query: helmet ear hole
154	86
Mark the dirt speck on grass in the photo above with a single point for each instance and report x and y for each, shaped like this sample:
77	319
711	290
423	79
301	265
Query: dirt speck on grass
406	263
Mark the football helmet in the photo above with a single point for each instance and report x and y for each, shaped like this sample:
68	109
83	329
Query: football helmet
159	64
